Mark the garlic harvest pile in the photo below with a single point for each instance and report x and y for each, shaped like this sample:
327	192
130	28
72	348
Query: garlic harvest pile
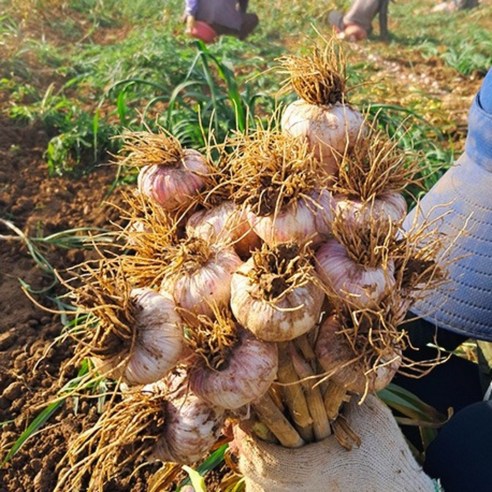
269	286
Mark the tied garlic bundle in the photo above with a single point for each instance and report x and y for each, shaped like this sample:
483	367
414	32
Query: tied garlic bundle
369	270
268	288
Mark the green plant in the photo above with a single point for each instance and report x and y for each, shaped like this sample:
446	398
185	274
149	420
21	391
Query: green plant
412	411
81	147
470	57
207	101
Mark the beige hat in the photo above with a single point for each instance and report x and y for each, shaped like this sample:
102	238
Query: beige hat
461	205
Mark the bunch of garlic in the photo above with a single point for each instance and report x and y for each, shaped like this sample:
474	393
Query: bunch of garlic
268	286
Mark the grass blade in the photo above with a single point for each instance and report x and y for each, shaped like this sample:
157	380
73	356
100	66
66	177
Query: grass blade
197	480
34	426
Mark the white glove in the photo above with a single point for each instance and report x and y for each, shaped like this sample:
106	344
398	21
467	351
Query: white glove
382	463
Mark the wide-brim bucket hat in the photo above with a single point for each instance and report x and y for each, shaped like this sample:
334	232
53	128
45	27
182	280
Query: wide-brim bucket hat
460	206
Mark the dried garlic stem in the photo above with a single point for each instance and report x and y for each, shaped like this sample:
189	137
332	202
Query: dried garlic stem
276	396
263	432
293	395
274	419
333	398
345	436
321	426
303	344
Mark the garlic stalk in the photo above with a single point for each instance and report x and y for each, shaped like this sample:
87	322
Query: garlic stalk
293	394
321	426
271	416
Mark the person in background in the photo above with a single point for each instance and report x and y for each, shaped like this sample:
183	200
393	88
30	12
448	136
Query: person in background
356	24
228	17
453	5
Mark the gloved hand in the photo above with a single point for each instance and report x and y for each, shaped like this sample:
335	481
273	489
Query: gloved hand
382	463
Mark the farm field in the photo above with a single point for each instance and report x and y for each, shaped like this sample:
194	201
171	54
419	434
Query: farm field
76	75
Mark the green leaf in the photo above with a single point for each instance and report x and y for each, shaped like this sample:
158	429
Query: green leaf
45	414
409	404
35	425
212	461
197	480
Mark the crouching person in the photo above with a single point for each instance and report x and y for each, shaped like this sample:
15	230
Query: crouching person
229	17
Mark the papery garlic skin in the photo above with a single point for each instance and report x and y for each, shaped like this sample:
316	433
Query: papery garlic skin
159	342
344	367
363	286
174	187
226	224
329	130
250	370
307	218
206	286
391	206
192	428
286	318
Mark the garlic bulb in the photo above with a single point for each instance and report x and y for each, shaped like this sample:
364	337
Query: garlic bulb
307	218
275	311
192	428
330	130
389	205
158	345
174	185
250	369
226	224
200	282
363	286
350	369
